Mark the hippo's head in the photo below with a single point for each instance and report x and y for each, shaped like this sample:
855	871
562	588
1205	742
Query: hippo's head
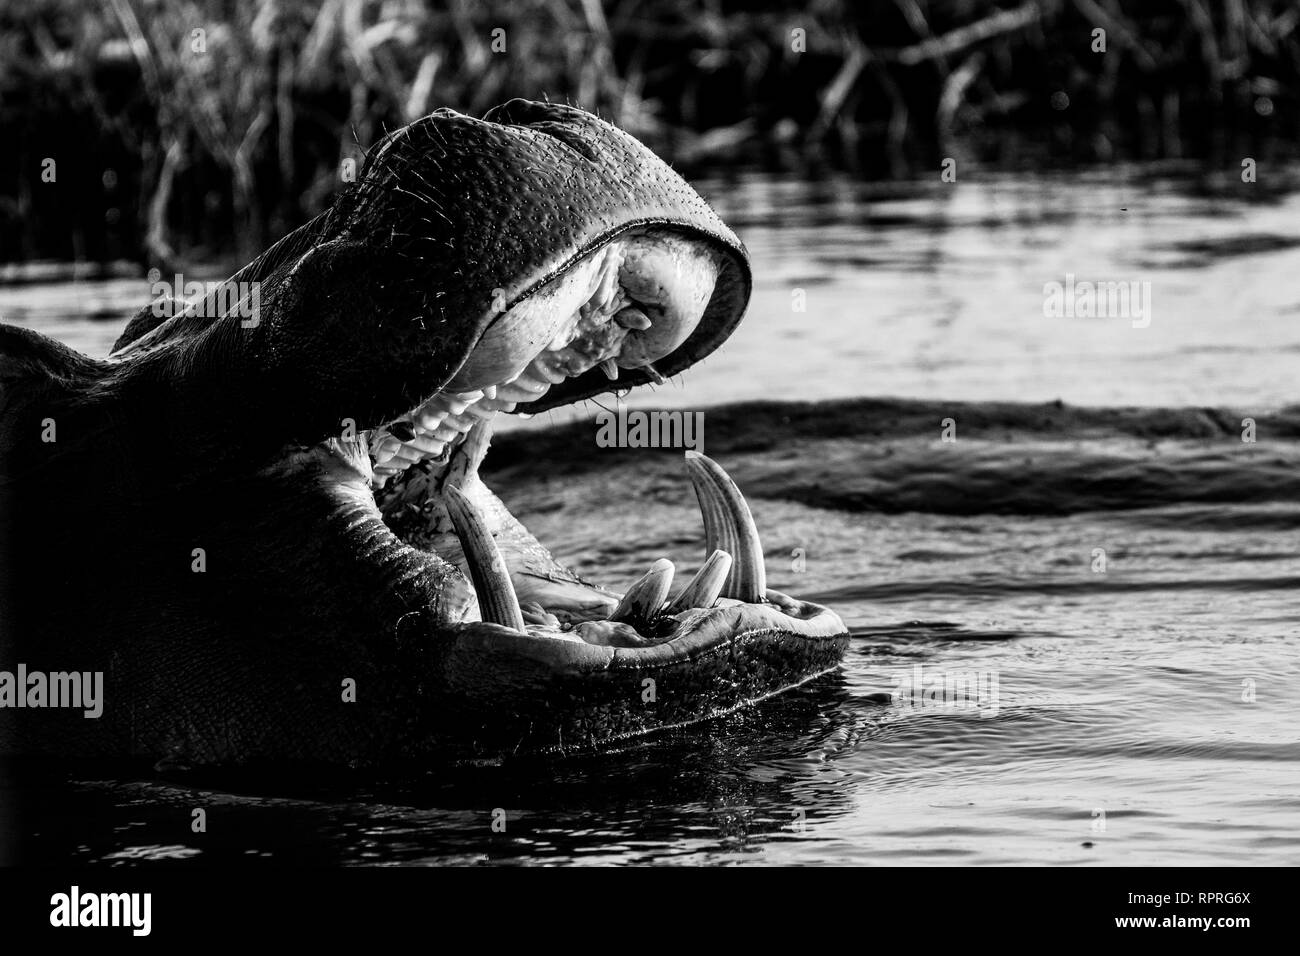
261	517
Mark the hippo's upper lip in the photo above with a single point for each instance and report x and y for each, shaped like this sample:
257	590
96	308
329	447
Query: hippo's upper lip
477	216
676	210
556	183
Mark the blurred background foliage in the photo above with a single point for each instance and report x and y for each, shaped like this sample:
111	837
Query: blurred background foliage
187	130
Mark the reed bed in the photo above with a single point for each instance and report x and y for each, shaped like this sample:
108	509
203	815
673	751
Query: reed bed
201	129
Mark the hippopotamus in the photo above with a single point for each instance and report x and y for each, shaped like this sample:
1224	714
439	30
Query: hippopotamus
265	528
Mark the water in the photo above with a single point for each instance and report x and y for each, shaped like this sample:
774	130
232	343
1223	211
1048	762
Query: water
1145	713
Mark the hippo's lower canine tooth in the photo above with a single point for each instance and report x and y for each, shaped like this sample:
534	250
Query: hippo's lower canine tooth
729	526
644	598
705	587
487	569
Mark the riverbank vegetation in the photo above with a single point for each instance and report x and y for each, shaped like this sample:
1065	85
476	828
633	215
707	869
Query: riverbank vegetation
206	128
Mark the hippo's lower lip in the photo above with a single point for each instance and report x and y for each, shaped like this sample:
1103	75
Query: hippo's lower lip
564	694
780	618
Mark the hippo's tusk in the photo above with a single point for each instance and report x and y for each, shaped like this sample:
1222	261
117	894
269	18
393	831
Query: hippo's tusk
487	569
704	588
644	598
729	527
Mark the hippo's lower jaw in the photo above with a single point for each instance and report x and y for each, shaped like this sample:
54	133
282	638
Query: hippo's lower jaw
578	666
527	657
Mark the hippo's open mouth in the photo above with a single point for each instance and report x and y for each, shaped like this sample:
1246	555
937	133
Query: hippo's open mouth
633	301
290	501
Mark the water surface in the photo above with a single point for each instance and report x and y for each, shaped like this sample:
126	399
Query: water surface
1144	711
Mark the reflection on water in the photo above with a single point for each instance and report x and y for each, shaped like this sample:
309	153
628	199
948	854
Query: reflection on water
940	295
1143	715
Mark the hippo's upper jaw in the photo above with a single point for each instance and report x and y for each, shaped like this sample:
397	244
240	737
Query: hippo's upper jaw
297	557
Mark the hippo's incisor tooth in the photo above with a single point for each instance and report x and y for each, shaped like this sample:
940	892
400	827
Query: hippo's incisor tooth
729	526
487	569
706	586
633	318
644	598
610	368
